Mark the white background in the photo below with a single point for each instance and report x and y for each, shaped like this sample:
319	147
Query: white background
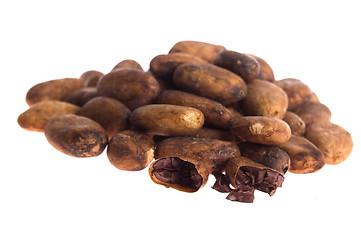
45	194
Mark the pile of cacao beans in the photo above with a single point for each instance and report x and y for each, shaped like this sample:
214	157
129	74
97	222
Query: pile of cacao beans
199	110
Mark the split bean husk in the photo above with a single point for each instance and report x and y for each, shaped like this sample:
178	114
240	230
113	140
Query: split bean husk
246	176
269	156
205	155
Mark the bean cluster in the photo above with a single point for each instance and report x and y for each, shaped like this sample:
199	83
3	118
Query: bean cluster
199	110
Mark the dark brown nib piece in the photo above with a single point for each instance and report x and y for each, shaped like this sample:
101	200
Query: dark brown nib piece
246	176
222	183
173	170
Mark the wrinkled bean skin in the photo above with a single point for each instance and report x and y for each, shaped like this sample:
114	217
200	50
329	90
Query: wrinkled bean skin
164	65
265	99
81	96
263	130
91	78
243	65
297	125
215	114
130	150
213	133
167	120
39	114
109	113
133	88
311	112
203	50
266	72
128	63
52	90
210	81
296	91
305	156
76	136
334	141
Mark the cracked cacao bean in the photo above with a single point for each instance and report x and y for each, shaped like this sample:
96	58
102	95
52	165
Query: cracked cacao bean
246	176
199	156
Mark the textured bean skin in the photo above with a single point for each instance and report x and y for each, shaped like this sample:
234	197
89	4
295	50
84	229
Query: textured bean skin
39	114
203	50
265	99
111	114
164	65
215	114
130	150
334	141
52	90
134	88
76	136
305	156
167	120
210	81
263	130
241	64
